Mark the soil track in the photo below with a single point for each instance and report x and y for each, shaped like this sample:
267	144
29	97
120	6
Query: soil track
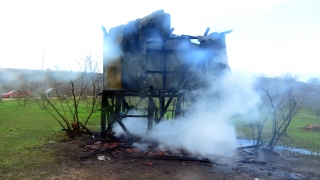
69	166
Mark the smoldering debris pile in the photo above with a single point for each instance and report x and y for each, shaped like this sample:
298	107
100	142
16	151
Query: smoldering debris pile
122	148
126	149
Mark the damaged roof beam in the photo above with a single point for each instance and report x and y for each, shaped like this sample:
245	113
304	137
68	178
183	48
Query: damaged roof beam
207	31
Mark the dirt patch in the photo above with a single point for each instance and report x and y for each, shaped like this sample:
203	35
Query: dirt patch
312	127
68	165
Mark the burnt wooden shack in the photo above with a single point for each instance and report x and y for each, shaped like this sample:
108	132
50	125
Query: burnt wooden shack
144	59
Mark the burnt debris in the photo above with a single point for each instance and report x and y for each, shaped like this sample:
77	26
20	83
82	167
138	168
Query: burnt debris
126	148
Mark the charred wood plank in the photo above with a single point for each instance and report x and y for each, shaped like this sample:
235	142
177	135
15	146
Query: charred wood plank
183	37
252	162
158	157
168	103
160	72
207	31
116	118
174	94
124	115
247	147
92	154
168	50
171	31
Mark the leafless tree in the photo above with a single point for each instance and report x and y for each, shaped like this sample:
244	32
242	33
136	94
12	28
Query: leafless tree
283	108
74	96
280	104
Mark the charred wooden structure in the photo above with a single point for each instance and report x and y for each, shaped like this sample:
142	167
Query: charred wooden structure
144	59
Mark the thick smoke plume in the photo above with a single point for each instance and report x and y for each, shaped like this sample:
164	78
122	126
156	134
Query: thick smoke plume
207	128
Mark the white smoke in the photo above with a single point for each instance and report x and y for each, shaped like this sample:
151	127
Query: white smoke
111	47
206	129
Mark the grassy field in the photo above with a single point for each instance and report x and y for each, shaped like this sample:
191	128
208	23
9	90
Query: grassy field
24	129
296	137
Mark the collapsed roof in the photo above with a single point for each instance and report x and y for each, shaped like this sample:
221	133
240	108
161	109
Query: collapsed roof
145	52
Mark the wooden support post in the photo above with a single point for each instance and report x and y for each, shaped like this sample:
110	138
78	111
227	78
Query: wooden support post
118	105
151	108
104	105
178	107
119	120
162	108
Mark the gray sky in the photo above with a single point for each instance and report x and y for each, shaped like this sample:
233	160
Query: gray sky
270	36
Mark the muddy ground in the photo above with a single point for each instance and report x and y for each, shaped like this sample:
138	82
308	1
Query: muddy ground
69	166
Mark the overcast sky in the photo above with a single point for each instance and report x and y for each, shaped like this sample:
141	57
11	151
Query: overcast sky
269	36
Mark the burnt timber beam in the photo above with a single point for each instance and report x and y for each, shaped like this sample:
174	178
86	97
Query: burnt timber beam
168	103
169	50
207	31
171	31
116	118
178	107
124	116
183	37
162	110
181	158
104	106
151	109
182	72
113	94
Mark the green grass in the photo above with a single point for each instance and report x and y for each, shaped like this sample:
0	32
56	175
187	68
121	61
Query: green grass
296	137
24	129
300	138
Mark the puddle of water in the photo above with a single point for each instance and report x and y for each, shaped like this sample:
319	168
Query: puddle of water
296	150
245	142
